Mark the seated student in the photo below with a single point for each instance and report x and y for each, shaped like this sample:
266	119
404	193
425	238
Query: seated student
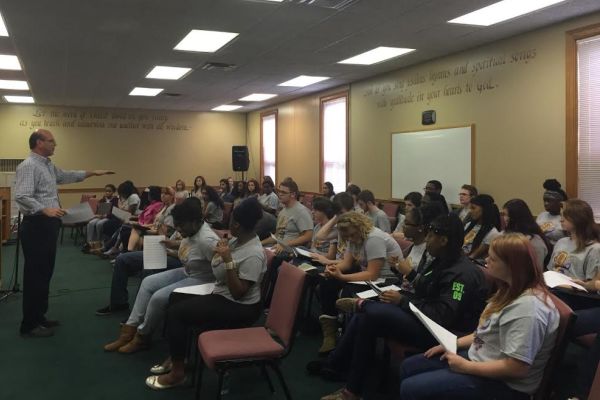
518	219
411	200
466	193
161	225
239	266
252	188
225	191
450	290
238	192
435	187
195	253
180	190
132	263
129	201
213	207
94	227
268	199
342	203
514	340
327	190
323	210
370	248
366	201
483	227
354	192
199	183
550	220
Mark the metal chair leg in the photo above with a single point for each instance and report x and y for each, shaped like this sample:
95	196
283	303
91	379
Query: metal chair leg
265	374
221	374
198	379
275	367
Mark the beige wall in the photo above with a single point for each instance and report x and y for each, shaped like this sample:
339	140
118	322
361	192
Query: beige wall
512	90
148	147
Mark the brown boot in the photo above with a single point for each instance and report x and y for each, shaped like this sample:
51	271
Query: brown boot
329	326
126	336
139	343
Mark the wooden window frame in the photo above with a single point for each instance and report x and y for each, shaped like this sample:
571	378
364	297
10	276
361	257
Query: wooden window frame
345	94
572	122
262	167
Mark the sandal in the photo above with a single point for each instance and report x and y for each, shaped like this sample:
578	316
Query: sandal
160	369
153	383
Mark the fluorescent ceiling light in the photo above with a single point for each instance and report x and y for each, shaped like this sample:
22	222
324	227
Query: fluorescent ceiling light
303	80
502	11
376	55
161	72
226	107
258	97
205	41
19	99
143	91
9	62
274	1
13	85
3	30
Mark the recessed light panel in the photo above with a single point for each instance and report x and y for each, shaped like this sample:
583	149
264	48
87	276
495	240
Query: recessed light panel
226	107
376	55
205	41
3	30
258	97
162	72
9	62
502	11
142	91
19	99
304	80
14	85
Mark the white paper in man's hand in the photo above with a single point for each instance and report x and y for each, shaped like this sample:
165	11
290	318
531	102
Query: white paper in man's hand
155	253
82	212
446	338
554	279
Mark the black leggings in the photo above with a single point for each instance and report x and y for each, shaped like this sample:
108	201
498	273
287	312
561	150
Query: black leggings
206	312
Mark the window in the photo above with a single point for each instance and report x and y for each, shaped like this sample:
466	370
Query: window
583	116
268	145
334	141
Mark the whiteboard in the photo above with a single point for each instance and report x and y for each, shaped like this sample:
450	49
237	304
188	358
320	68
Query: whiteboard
446	155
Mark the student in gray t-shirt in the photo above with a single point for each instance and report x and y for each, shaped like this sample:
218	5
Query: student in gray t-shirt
511	346
366	201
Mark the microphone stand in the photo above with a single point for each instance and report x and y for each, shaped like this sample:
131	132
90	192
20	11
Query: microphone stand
4	294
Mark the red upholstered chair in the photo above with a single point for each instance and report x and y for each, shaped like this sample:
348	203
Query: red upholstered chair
404	245
93	202
222	350
391	210
567	319
264	288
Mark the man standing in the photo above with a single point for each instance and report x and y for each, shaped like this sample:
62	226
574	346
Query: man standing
37	197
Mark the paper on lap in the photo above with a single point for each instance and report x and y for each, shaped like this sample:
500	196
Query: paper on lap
367	294
376	282
155	253
446	338
82	212
554	279
199	290
121	214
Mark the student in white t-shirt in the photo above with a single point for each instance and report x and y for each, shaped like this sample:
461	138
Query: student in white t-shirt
411	200
508	351
483	228
366	201
518	219
549	220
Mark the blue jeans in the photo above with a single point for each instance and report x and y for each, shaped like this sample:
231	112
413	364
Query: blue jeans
431	379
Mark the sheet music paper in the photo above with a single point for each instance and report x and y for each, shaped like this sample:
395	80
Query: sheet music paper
287	248
200	290
554	279
446	338
82	212
155	253
303	252
306	267
121	214
368	294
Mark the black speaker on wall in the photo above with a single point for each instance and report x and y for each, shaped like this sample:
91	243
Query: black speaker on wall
239	158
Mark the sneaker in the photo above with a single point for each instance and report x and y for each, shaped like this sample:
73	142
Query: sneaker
108	310
39	331
347	304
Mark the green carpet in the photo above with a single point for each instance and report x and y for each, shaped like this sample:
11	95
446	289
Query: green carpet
72	364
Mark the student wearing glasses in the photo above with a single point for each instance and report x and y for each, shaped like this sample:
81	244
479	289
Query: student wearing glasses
466	193
450	290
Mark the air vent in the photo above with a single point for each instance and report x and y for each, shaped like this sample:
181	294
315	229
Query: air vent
9	164
170	94
210	66
332	4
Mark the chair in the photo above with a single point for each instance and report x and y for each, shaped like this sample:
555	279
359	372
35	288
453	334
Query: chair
405	245
264	285
391	209
307	200
223	350
567	320
77	230
93	202
227	214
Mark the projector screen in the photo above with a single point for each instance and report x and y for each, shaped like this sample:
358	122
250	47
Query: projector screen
446	155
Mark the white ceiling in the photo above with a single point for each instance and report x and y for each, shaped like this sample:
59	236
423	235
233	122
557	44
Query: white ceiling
92	53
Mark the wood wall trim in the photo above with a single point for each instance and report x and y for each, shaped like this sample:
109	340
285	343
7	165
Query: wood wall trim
571	104
82	190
